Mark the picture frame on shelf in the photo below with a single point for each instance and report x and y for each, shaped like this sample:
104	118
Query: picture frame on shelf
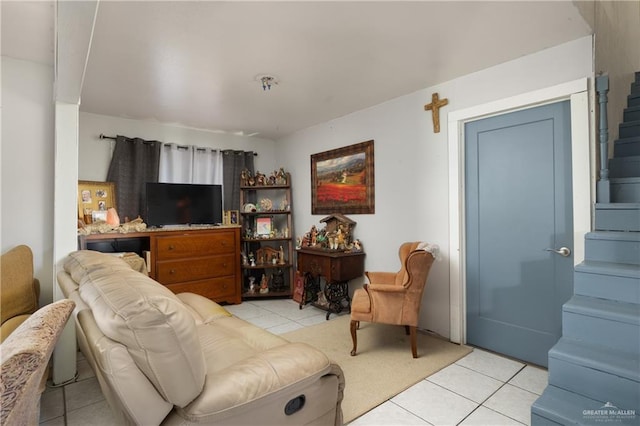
230	217
234	217
342	180
99	215
263	226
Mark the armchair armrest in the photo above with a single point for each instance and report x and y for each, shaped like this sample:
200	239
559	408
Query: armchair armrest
388	288
381	277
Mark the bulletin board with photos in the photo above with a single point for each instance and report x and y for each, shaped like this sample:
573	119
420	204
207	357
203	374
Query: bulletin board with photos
94	198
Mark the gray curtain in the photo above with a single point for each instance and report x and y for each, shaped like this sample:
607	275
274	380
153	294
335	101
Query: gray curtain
233	162
134	163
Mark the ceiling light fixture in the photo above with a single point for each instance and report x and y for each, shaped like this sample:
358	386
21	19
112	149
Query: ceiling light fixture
267	81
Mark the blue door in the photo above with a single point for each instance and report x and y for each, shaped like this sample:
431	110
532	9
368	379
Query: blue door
519	230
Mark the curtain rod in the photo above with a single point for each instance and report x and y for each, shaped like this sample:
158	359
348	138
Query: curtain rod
103	136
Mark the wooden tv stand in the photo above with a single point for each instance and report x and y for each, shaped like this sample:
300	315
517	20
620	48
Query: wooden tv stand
201	260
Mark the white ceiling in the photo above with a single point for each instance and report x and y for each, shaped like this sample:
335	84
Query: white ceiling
196	64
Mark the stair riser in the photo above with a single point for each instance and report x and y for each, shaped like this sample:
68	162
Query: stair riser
633	100
624	337
613	251
620	289
626	148
632	114
635	88
625	192
595	384
629	130
624	167
617	220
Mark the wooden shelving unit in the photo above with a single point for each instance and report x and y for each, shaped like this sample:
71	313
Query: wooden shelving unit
267	228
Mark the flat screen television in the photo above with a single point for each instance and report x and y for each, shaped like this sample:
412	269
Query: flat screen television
183	204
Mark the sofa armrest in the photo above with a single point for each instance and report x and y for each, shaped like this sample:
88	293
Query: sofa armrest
256	378
132	397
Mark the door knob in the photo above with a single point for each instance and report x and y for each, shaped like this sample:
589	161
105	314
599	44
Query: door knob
562	251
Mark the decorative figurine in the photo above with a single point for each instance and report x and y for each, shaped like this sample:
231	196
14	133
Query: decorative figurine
281	178
273	178
245	175
252	259
277	280
252	285
281	256
264	284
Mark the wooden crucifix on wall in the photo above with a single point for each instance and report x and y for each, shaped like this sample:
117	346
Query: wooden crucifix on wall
434	107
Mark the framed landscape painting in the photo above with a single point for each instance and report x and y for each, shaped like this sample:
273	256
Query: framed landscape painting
342	180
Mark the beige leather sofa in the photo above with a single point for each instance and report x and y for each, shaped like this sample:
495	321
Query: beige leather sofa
162	358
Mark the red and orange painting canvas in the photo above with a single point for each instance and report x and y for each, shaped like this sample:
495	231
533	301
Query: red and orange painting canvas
342	180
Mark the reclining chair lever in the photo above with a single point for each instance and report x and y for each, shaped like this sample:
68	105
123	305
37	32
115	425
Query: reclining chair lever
294	405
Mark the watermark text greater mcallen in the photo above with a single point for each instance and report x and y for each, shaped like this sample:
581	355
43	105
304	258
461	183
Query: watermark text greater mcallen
608	413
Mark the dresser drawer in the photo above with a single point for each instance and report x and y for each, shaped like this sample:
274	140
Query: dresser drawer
174	271
195	245
218	289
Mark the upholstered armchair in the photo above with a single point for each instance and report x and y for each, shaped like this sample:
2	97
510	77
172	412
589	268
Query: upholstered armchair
19	290
394	297
25	356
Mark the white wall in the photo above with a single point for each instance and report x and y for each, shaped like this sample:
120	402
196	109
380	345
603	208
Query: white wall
95	153
27	164
411	171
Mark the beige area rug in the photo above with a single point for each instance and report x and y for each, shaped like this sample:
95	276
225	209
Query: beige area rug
383	366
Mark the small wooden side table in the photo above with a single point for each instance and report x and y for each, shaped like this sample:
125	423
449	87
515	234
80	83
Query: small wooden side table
337	268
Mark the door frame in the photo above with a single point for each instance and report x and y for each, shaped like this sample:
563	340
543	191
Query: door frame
582	158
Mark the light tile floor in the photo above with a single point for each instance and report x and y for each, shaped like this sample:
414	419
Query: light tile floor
480	389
